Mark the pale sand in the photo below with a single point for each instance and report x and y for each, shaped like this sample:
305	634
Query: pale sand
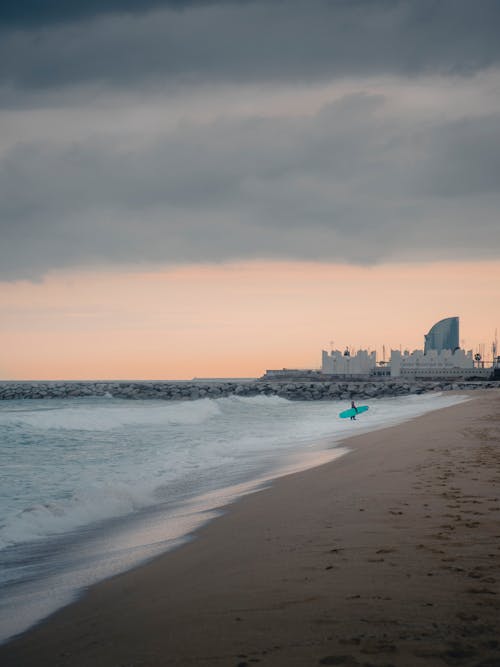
387	556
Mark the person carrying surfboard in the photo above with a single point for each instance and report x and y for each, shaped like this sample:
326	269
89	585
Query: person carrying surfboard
353	411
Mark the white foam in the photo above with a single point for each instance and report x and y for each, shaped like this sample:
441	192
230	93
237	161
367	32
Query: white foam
106	417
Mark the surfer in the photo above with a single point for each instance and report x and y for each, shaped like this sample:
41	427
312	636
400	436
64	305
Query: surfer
353	406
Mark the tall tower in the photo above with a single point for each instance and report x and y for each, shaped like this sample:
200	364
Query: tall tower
444	335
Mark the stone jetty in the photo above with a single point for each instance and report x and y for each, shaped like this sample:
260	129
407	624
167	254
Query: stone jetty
182	391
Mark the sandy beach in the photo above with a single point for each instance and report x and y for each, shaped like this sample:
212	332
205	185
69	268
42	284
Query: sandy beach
388	556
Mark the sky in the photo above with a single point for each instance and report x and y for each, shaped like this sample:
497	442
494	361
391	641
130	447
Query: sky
216	187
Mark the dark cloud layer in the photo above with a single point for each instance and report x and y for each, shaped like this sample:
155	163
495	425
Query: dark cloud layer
359	181
31	13
243	41
352	184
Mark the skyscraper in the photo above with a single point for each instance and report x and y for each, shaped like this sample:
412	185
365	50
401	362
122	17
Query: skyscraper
443	335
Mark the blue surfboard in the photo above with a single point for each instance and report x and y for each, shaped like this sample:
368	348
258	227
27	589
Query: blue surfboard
352	412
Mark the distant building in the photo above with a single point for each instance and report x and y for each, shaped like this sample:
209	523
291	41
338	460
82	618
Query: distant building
443	335
342	363
441	358
443	363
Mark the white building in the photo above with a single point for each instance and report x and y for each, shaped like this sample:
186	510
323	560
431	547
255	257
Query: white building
435	363
342	363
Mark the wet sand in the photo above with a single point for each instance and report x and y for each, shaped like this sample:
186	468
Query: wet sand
387	556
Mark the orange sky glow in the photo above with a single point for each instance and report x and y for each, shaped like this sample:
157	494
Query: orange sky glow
233	320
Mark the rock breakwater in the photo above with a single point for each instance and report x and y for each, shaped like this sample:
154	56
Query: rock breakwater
182	391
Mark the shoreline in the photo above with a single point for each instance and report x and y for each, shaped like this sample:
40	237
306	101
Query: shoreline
156	530
162	530
303	545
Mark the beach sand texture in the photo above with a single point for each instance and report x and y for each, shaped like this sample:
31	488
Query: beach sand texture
388	556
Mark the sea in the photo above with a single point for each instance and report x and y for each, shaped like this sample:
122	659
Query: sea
91	487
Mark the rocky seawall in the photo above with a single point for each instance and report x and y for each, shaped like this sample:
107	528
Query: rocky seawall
181	391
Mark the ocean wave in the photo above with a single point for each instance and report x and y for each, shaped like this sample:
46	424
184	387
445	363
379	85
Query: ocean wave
95	417
70	467
93	504
258	400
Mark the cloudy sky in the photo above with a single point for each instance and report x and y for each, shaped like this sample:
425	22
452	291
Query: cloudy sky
215	187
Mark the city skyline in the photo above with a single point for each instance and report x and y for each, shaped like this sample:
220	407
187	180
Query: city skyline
226	321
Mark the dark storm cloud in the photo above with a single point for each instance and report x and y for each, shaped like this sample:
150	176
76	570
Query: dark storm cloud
30	13
352	183
359	181
467	158
243	41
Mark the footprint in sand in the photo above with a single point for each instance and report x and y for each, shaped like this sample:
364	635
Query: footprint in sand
376	646
447	526
457	652
480	591
440	536
463	616
338	660
355	641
